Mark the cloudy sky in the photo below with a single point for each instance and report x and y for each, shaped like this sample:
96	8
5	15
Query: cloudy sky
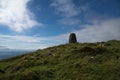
36	24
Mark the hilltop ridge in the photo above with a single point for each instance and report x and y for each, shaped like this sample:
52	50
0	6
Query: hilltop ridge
75	61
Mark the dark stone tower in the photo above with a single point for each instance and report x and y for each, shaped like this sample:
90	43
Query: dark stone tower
72	38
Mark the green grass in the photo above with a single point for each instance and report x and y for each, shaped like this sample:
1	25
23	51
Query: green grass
78	61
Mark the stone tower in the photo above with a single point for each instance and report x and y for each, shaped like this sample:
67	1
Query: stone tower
72	38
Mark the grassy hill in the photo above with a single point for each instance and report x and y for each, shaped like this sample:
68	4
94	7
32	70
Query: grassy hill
78	61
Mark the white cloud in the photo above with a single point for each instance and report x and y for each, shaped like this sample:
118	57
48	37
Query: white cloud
73	14
98	31
27	42
15	15
103	31
65	7
68	10
69	21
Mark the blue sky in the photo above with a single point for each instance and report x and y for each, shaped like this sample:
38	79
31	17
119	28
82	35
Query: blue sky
36	24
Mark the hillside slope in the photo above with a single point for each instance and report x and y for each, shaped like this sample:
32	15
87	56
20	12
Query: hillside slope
78	61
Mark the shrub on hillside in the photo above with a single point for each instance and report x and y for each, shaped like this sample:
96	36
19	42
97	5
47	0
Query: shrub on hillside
2	71
87	50
93	51
100	49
